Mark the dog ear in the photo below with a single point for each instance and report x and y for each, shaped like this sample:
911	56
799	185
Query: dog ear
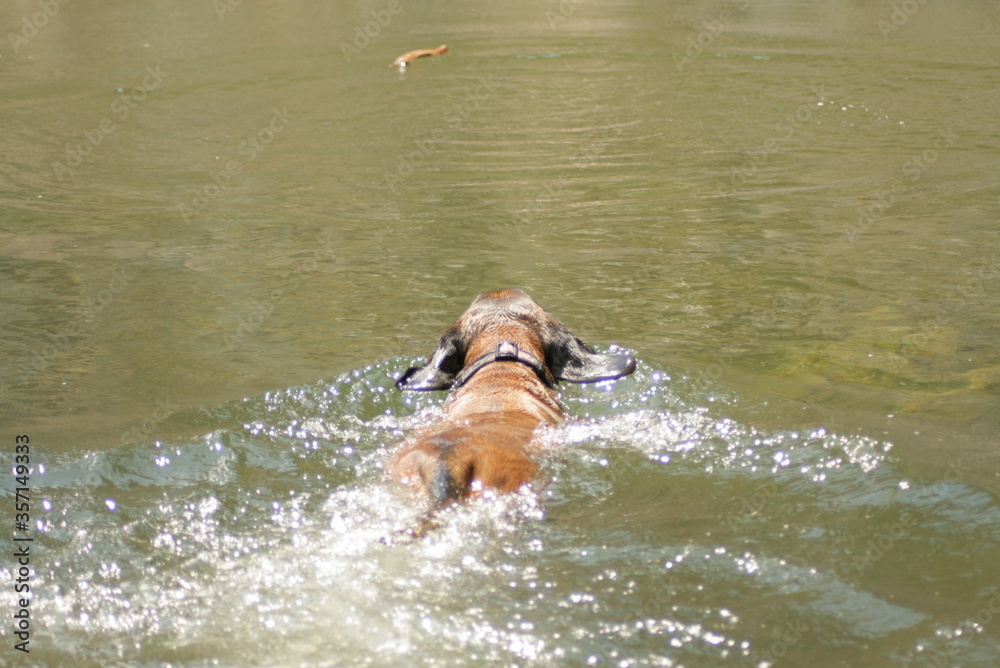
440	369
572	360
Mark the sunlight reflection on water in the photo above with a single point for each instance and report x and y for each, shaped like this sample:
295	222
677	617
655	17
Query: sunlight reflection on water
655	520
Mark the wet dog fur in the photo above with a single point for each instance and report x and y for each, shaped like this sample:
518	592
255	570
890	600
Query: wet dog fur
501	359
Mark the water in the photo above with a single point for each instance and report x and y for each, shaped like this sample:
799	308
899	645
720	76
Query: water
785	209
659	534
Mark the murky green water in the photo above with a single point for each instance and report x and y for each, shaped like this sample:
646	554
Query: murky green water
228	225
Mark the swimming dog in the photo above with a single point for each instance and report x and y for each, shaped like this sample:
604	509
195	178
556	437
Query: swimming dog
501	360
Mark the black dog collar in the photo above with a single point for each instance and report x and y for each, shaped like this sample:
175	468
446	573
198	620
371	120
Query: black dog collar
506	352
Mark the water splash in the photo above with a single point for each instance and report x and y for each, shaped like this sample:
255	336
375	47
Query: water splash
661	532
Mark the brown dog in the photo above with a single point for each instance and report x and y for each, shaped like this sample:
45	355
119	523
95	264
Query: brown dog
501	359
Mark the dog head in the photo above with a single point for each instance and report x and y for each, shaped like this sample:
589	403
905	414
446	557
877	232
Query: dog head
512	316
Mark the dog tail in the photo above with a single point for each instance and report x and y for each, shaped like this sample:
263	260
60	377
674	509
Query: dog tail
445	482
442	486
